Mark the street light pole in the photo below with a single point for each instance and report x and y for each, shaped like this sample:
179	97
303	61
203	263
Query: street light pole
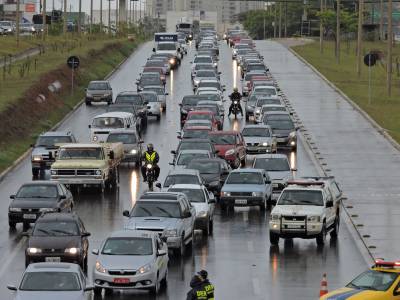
338	31
44	19
79	17
101	16
17	21
359	34
65	18
109	17
91	16
389	50
321	28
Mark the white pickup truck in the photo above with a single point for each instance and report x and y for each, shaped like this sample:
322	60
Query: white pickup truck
307	208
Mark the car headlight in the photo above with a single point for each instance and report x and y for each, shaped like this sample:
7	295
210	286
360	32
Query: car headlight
170	232
274	217
14	209
172	61
107	95
215	64
230	152
34	250
37	158
196	81
144	269
256	194
265	144
53	172
133	151
149	166
72	250
258	110
225	194
314	219
100	268
292	134
202	214
98	172
293	143
49	209
95	138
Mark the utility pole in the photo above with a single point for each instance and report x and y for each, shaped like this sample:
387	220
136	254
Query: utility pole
101	16
359	35
338	31
280	19
44	19
65	19
321	28
79	17
116	16
109	17
275	19
381	20
17	21
389	50
286	4
91	17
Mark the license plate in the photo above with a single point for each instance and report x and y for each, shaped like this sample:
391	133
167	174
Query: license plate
121	280
293	226
240	201
53	259
29	216
275	185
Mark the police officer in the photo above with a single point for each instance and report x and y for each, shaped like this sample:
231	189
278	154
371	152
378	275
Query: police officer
150	157
197	292
208	286
235	96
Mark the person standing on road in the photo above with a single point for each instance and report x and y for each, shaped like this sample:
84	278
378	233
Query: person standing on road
208	286
197	292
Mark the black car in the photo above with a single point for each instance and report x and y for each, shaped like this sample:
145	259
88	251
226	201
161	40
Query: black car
137	100
194	144
35	198
213	171
58	237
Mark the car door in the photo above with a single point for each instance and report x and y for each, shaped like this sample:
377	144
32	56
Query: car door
162	260
211	206
63	203
330	211
84	239
240	146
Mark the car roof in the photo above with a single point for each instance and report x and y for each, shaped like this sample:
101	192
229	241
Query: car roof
82	145
115	114
186	186
56	133
209	80
211	159
193	151
276	112
123	131
159	195
272	155
248	170
197	127
128	93
99	81
224	132
256	126
58	217
183	172
132	233
197	140
52	267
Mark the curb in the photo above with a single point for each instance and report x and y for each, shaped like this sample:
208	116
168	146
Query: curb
66	117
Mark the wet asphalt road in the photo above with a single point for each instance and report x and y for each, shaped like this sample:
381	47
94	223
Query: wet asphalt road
238	256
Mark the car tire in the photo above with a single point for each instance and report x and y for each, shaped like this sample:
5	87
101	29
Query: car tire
243	162
273	238
12	225
321	238
84	265
211	227
35	173
237	163
335	232
263	205
164	281
97	291
224	206
247	117
206	230
182	249
88	103
154	290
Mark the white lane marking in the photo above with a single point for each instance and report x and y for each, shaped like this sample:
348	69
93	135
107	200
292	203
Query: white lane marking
250	246
10	258
256	286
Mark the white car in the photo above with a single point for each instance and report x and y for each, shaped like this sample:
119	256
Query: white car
131	259
306	209
154	105
204	203
102	125
268	108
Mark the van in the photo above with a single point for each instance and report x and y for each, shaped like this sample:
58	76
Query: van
102	125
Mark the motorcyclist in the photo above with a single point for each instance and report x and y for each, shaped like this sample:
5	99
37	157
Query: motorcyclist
235	96
197	292
208	286
150	157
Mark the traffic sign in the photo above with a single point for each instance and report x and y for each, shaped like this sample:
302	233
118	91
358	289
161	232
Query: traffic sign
370	59
73	62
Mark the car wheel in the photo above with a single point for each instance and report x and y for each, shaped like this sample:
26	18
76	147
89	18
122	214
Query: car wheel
335	232
88	103
237	162
97	291
108	291
181	250
158	117
35	173
84	265
12	225
154	290
25	226
273	238
206	231
211	227
263	205
164	281
321	236
247	117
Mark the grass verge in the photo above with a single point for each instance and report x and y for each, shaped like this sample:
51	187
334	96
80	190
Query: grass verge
382	108
24	118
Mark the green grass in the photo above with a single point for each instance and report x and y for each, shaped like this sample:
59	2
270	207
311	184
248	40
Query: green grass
92	68
383	109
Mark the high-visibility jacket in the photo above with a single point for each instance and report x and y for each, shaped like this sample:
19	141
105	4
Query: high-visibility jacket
151	157
209	288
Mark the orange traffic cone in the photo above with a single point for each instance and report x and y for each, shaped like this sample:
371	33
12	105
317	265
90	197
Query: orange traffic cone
324	286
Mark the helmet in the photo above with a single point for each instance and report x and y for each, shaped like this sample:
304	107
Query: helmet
235	89
203	274
150	147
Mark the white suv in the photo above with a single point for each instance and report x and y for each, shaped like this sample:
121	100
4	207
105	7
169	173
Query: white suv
307	208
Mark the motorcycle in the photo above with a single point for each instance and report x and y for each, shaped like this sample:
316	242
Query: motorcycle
235	108
151	176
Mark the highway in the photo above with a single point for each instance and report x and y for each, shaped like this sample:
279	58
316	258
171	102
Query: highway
238	256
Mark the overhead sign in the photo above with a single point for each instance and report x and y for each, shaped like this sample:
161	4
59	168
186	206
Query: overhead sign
73	62
165	37
370	59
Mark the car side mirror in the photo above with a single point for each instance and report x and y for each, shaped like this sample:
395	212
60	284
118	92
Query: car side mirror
95	251
62	197
396	292
146	102
154	49
158	185
86	234
125	213
90	126
88	288
171	163
267	181
173	152
161	252
141	141
11	287
85	89
187	214
179	49
180	104
111	155
329	203
166	94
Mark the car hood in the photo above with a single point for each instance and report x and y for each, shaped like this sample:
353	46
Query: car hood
159	223
210	177
223	148
124	262
129	147
282	132
43	150
299	210
154	105
54	242
30	295
257	139
34	203
200	206
243	188
78	164
280	175
353	294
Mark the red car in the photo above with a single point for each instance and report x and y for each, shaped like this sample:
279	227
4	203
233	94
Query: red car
231	147
203	115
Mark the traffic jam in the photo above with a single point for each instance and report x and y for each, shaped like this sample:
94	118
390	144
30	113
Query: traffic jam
218	165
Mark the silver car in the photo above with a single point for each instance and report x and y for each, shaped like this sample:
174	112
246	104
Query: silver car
99	91
154	106
162	95
259	139
131	259
49	281
131	142
184	176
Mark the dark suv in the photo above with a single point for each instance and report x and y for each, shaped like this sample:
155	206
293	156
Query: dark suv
58	237
137	100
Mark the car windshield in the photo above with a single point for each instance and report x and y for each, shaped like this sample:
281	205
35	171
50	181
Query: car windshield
185	158
159	91
196	134
280	124
80	153
265	91
155	63
187	145
272	164
244	178
252	100
190	101
205	74
108	122
301	197
125	138
128	246
215	84
98	86
200	117
50	141
205	167
260	132
122	108
194	195
50	281
156	209
150	81
181	179
273	108
166	46
223	139
255	67
199	60
150	97
37	191
56	228
131	99
204	67
374	280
